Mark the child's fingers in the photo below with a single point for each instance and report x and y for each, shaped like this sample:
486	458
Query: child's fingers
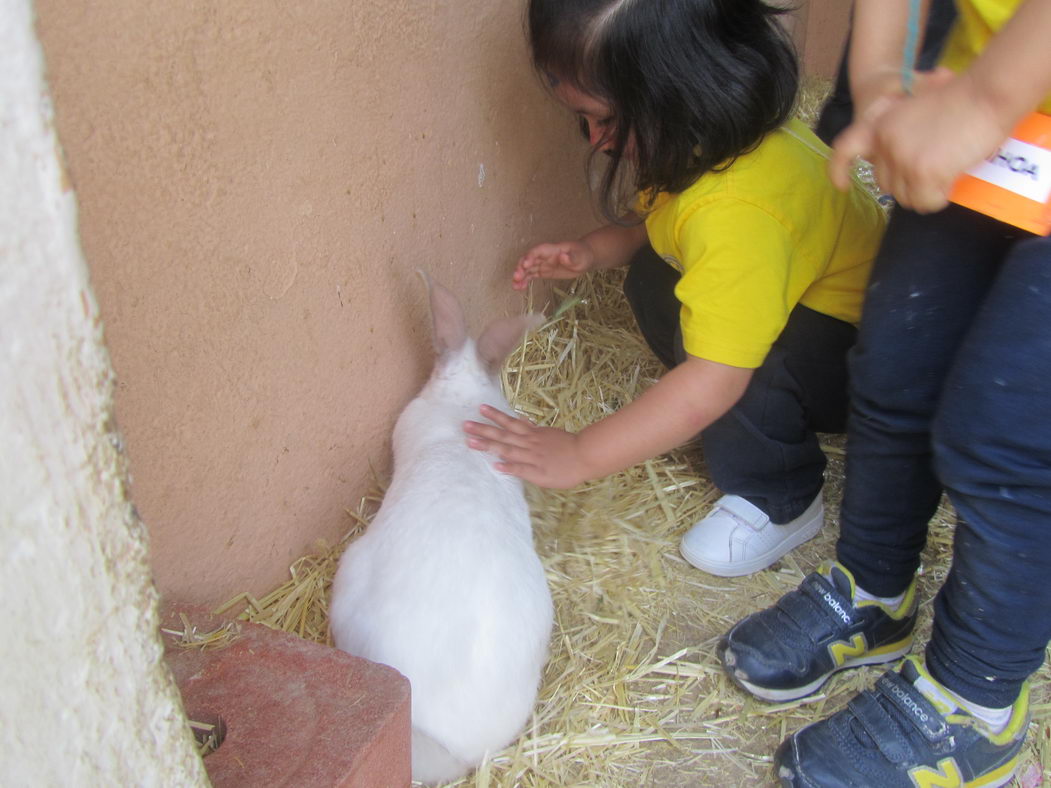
529	267
546	261
485	436
525	471
521	276
921	193
503	420
535	259
859	140
939	77
913	188
853	143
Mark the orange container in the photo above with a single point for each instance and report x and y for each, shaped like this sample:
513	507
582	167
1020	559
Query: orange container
1014	184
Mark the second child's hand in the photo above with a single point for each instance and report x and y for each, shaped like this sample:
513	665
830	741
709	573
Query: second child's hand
919	168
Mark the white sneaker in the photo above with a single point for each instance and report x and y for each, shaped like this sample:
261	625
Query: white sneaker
737	538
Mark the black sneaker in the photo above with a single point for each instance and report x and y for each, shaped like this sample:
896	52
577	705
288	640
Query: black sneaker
895	735
790	649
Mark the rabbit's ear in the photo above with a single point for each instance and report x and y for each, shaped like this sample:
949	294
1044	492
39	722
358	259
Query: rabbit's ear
502	336
449	328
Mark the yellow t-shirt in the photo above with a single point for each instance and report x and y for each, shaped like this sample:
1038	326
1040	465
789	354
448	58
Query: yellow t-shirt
754	240
978	21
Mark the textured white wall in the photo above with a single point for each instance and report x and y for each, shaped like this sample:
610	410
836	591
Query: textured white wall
85	699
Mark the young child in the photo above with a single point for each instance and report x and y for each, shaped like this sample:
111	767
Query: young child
951	381
746	266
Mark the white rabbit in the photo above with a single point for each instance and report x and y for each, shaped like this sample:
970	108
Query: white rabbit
445	584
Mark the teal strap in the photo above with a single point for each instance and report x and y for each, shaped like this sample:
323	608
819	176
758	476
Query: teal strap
912	36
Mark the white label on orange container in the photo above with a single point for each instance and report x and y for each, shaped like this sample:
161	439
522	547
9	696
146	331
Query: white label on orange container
1018	167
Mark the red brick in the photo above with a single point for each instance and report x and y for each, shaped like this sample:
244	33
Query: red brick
296	713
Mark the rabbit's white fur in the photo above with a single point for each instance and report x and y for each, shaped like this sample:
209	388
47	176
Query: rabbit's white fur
445	584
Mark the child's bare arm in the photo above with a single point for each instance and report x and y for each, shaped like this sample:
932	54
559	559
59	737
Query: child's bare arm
684	402
877	50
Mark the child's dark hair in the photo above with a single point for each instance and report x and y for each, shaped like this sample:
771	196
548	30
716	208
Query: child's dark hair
695	82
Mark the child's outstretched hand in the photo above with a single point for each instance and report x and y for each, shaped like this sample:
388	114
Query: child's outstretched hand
566	260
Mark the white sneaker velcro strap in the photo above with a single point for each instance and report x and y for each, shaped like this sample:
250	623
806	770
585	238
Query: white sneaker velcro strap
743	512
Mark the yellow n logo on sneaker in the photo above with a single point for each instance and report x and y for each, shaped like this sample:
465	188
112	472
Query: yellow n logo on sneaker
841	650
947	775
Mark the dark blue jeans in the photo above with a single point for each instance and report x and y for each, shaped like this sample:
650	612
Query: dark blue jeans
765	449
951	389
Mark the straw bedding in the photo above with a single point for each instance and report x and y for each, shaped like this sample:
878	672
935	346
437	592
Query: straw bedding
633	693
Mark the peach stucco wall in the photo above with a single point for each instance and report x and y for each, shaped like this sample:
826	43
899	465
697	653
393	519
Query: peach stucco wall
257	182
820	32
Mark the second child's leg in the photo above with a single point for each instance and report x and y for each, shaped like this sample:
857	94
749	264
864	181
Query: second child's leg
930	278
992	444
960	716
